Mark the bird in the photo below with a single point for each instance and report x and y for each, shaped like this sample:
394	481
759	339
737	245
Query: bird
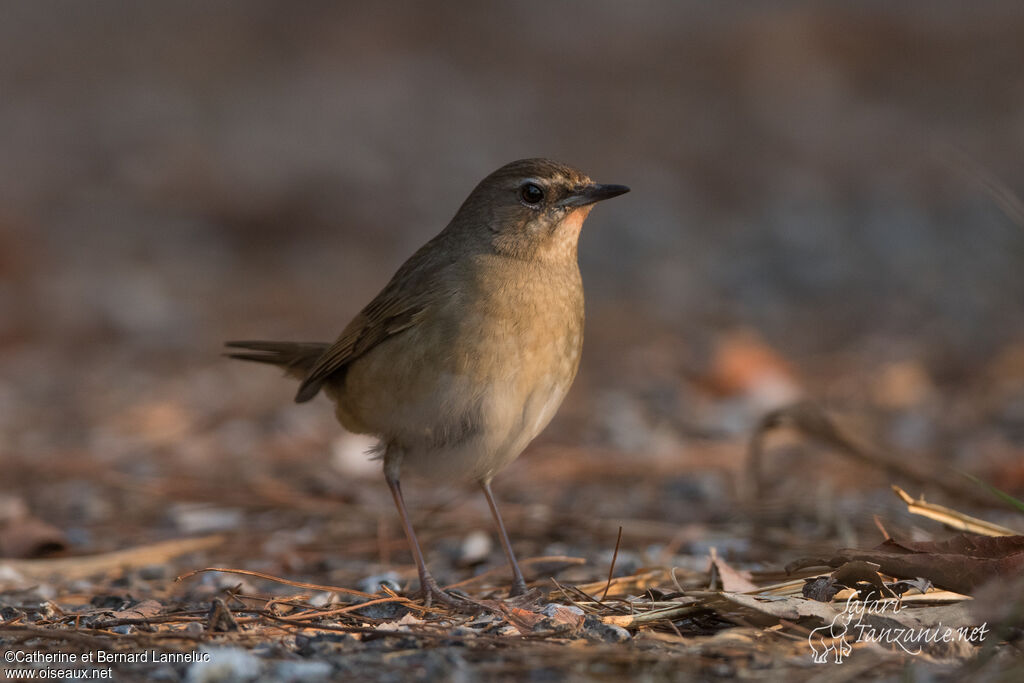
467	352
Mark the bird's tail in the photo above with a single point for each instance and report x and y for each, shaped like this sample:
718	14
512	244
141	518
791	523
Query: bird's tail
297	358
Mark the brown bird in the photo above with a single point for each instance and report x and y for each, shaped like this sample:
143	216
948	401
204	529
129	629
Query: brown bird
466	354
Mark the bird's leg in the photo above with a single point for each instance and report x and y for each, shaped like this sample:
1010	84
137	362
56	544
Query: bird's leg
518	583
431	591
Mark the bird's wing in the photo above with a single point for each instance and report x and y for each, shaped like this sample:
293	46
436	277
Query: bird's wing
399	306
361	335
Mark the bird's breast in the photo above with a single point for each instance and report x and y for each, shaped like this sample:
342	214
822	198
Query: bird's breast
480	374
526	324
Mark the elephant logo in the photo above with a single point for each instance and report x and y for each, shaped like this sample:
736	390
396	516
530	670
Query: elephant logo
831	639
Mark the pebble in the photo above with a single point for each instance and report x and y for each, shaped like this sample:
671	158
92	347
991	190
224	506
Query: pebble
225	664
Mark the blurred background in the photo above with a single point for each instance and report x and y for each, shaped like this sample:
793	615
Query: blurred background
826	205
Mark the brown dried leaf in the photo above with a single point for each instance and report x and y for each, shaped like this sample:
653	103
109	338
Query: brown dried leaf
733	580
973	545
960	564
858	574
821	588
143	610
564	615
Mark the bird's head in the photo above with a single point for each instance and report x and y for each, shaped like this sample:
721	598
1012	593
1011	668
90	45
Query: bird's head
533	208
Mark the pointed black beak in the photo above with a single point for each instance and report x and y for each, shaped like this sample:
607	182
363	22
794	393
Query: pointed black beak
588	194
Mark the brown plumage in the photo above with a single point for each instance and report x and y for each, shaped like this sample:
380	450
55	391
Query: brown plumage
466	354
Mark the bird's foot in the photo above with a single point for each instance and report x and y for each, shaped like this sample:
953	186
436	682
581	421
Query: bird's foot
518	588
431	593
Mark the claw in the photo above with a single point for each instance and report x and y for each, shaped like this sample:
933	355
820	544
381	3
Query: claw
431	592
518	588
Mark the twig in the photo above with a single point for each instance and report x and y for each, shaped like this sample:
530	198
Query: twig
951	517
525	565
1001	495
29	632
433	609
575	602
675	580
73	568
611	569
277	579
881	527
478	638
320	614
639	581
640	618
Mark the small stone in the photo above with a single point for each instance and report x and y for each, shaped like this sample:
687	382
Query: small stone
560	619
549	626
325	644
476	546
374	583
386	611
323	599
596	630
199	518
351	455
225	664
8	613
302	671
553	608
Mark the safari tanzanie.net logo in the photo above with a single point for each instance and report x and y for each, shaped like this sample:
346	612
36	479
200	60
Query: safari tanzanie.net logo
855	624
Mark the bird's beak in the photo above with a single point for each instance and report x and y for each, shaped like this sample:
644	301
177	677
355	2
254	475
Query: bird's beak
588	194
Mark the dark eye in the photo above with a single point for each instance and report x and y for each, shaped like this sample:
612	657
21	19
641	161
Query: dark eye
531	193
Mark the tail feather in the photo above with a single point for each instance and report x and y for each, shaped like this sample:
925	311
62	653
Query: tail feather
297	358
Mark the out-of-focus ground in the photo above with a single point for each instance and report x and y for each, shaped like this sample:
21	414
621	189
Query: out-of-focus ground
826	205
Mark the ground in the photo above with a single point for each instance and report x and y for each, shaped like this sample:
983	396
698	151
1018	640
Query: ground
811	294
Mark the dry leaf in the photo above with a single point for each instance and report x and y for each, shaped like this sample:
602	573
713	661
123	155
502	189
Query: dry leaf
733	580
959	564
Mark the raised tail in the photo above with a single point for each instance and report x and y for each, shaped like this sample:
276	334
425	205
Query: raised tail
297	358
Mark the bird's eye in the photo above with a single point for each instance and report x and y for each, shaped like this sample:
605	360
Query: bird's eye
531	193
